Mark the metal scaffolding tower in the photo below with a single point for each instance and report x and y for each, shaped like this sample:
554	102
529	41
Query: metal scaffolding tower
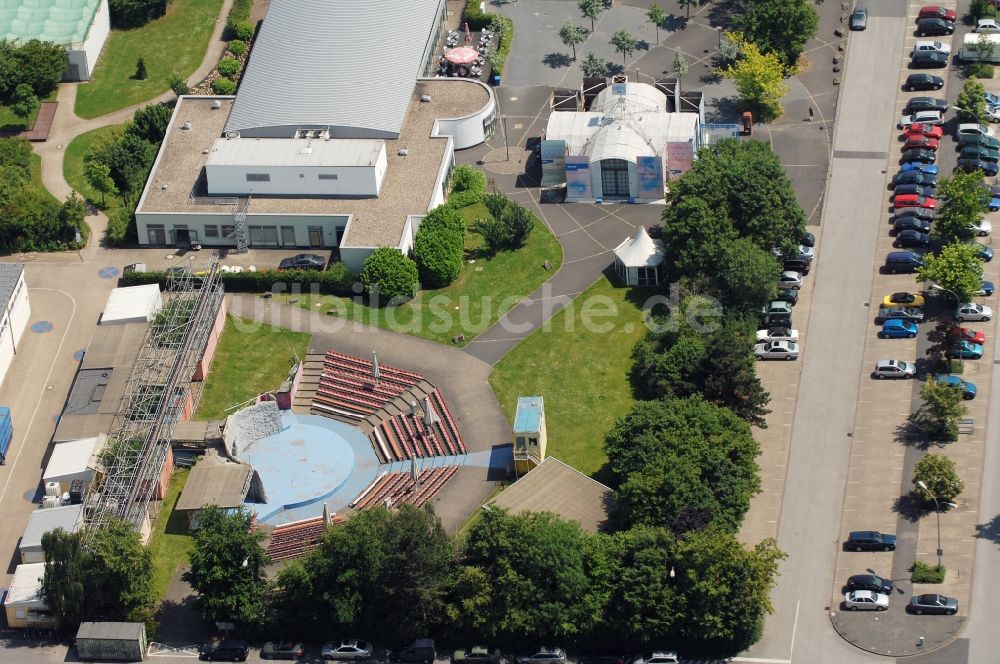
159	390
240	224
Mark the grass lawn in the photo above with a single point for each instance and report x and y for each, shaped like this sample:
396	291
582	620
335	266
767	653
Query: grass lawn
36	178
170	542
484	291
583	374
10	122
247	363
175	43
76	151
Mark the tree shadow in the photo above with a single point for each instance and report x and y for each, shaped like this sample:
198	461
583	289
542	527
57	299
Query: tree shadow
642	45
675	22
179	621
722	110
989	530
910	507
557	60
912	434
725	14
710	78
615	68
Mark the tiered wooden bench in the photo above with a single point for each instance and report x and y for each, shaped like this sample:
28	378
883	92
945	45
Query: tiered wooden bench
296	539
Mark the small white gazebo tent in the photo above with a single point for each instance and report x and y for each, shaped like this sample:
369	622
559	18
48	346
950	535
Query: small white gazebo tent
639	260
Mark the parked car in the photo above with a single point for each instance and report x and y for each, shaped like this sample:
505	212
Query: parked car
917	154
777	307
992	113
870	540
911	200
544	655
981	228
917	213
661	657
911	224
926	169
971	165
865	600
902	298
859	19
985	252
978	152
914	190
775	320
927	104
934	27
807	239
871	582
931	131
911	140
777	334
966	350
957	332
477	655
353	650
936	11
968	389
972	311
902	261
910	314
790	279
898	329
282	650
911	238
776	350
923	82
987	25
933	603
802	265
230	650
929	60
914	177
302	262
894	369
930	45
979	139
920	117
789	295
991	99
974	129
421	650
986	289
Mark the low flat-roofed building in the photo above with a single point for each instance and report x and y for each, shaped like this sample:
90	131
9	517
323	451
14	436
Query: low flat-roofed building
15	309
132	304
67	517
24	604
74	460
555	487
218	481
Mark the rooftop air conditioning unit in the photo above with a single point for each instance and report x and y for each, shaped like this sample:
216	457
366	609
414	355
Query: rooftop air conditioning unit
217	104
425	98
186	125
403	152
232	134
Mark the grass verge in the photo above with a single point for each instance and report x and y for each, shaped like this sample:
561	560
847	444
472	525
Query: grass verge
11	122
76	152
486	289
580	364
170	542
176	42
251	358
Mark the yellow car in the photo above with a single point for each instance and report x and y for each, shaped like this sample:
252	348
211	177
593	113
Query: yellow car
903	299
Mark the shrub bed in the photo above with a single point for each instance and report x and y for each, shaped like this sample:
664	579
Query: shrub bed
924	573
337	280
478	20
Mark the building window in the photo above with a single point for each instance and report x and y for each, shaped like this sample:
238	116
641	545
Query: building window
264	235
288	236
328	176
157	234
646	276
227	230
211	230
490	125
258	177
614	178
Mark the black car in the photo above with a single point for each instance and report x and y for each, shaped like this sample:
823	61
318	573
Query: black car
914	177
969	165
807	239
231	650
918	154
859	19
911	224
918	189
929	60
789	295
870	540
282	650
923	82
796	265
871	582
934	26
911	238
302	262
776	320
919	213
926	104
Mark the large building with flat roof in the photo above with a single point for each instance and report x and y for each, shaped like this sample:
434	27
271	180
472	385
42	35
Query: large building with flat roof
323	146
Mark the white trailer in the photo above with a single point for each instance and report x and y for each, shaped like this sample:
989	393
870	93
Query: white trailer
980	47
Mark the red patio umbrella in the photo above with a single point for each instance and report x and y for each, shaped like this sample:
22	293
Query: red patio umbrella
462	55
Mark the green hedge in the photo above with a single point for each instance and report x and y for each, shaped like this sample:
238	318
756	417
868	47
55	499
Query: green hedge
337	280
224	86
478	20
924	573
468	185
239	14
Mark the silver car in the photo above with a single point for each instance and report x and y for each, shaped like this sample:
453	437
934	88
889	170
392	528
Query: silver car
866	600
353	650
894	369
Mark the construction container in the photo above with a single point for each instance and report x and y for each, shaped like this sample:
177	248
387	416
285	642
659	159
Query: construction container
6	432
111	641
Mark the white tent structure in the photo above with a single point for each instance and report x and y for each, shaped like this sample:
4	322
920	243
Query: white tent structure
639	259
132	304
73	460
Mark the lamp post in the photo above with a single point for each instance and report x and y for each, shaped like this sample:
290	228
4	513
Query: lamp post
718	29
937	509
942	288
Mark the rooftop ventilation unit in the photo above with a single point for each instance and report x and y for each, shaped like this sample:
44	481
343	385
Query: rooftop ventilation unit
232	134
403	152
425	98
186	125
217	104
306	150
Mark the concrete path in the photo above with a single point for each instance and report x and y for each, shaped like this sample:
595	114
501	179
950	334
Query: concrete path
67	125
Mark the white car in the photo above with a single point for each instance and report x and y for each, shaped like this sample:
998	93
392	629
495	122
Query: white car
975	129
790	279
972	311
982	228
777	350
777	334
866	600
992	113
987	25
930	45
923	117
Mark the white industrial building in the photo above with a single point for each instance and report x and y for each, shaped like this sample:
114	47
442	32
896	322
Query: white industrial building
67	517
323	146
625	147
132	304
72	460
81	26
16	311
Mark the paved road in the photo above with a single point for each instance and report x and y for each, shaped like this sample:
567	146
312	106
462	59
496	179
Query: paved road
810	517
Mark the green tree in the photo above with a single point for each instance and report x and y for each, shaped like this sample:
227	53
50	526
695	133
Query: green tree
759	77
438	255
122	577
591	9
178	85
957	270
594	66
227	567
98	176
15	152
24	104
41	65
963	204
985	48
493	231
140	70
746	275
120	223
127	14
680	65
150	123
228	67
389	277
937	472
624	43
656	16
940	411
571	35
519	223
781	27
971	102
65	585
445	217
674	456
73	212
688	4
645	603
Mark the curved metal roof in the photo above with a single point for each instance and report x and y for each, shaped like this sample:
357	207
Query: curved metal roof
350	65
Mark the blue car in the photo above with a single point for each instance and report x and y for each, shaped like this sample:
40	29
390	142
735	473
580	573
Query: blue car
986	289
993	204
967	350
985	252
929	169
898	329
991	99
968	389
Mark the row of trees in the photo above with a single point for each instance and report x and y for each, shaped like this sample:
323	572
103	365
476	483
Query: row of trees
29	72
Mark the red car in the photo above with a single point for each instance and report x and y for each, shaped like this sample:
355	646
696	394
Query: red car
919	141
965	334
914	201
921	129
936	11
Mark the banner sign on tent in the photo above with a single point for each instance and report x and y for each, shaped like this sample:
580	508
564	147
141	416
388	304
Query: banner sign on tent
679	157
553	163
578	177
650	175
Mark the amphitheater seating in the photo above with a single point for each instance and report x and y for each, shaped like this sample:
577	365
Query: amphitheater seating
293	540
397	488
